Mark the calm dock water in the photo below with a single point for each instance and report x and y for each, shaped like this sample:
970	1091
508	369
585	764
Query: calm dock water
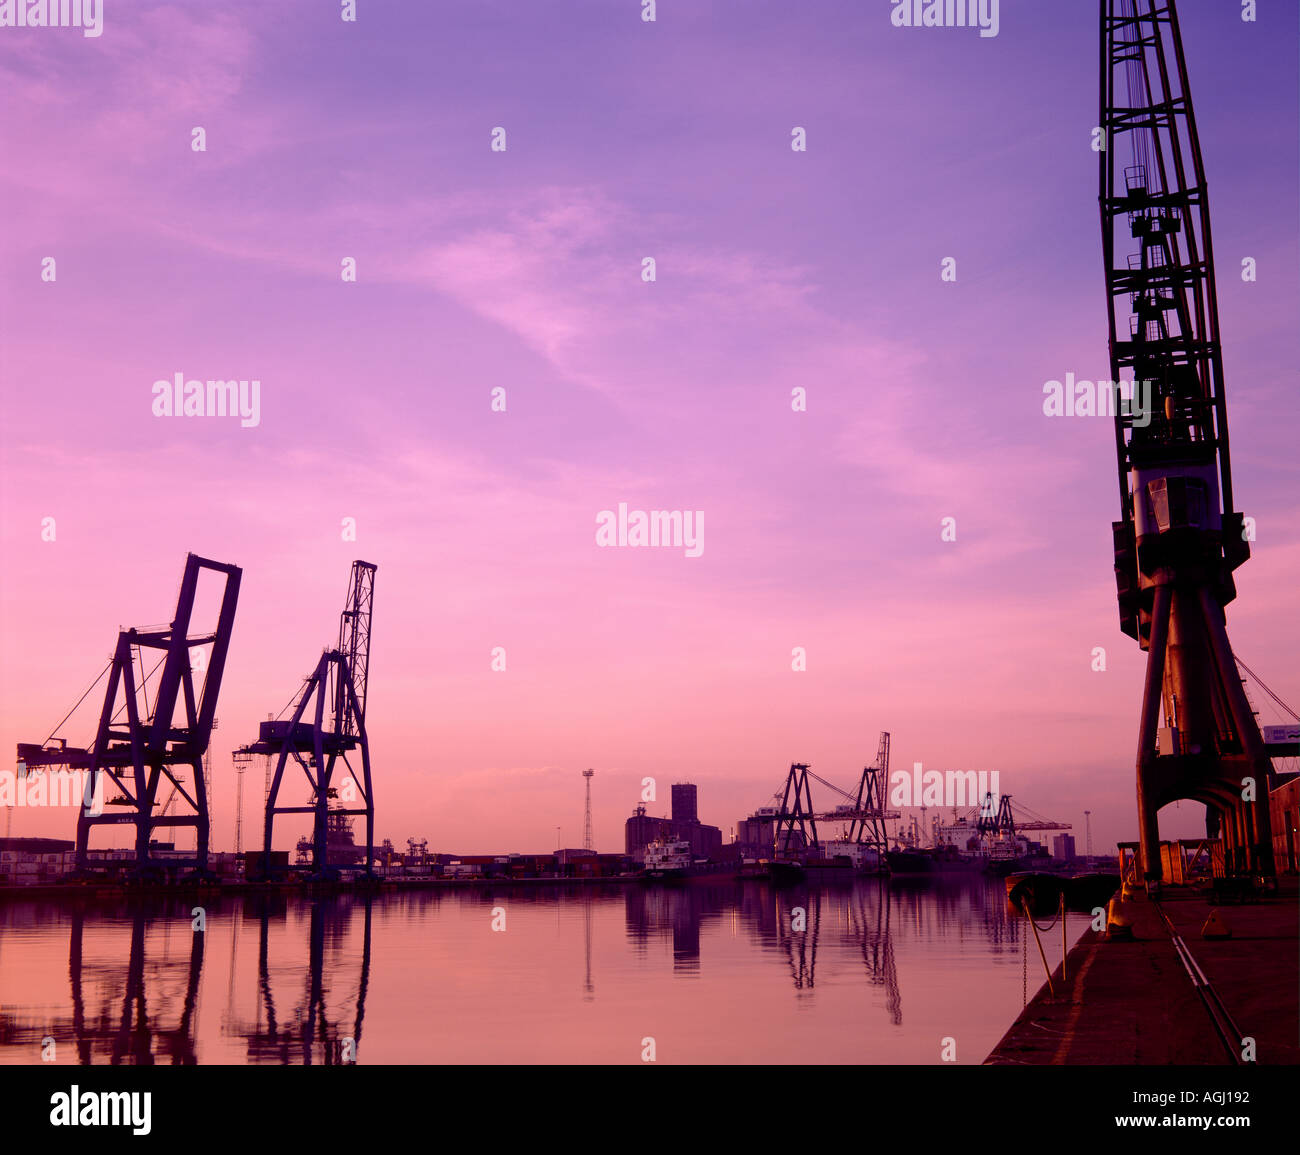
871	972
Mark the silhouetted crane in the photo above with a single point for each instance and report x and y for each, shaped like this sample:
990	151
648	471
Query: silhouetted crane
138	753
319	736
1179	539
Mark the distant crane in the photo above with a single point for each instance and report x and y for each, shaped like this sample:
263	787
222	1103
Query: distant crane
137	753
241	761
864	810
1179	537
795	809
1087	825
869	814
1003	821
417	853
336	727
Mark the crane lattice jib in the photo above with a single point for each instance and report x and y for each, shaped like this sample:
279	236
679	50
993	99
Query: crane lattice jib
1171	439
354	645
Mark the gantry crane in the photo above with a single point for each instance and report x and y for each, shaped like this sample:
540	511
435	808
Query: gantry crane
1179	538
796	809
864	811
137	753
318	736
869	814
1003	820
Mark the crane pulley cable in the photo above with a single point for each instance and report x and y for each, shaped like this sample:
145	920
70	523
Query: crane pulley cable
108	666
1260	683
832	786
143	683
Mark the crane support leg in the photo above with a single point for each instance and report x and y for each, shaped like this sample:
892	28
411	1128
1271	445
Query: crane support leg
1254	815
1148	807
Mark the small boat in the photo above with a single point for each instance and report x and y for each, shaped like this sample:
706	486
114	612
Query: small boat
784	871
1042	892
909	862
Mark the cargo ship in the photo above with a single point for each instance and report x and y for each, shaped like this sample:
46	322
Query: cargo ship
667	858
845	857
671	860
781	871
946	860
1007	855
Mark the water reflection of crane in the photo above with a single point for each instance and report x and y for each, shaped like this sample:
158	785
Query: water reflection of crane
307	1033
136	1037
870	930
800	946
121	1011
878	948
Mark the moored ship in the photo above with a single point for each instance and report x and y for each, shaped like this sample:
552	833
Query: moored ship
905	860
672	860
667	858
784	871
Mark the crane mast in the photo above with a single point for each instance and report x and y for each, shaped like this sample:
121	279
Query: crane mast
1178	539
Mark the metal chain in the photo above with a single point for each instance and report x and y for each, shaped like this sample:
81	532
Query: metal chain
1024	969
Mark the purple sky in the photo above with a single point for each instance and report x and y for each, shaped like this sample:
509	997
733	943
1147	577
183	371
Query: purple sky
522	269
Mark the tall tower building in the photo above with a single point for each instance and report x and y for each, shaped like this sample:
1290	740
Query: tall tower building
685	805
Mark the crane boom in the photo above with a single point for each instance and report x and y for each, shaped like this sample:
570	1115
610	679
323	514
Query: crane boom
354	645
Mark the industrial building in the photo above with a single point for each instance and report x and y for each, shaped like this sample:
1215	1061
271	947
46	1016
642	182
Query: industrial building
32	861
643	828
1063	848
756	835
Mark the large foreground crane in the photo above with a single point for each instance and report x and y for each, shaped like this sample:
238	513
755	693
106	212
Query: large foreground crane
328	722
136	753
1179	538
